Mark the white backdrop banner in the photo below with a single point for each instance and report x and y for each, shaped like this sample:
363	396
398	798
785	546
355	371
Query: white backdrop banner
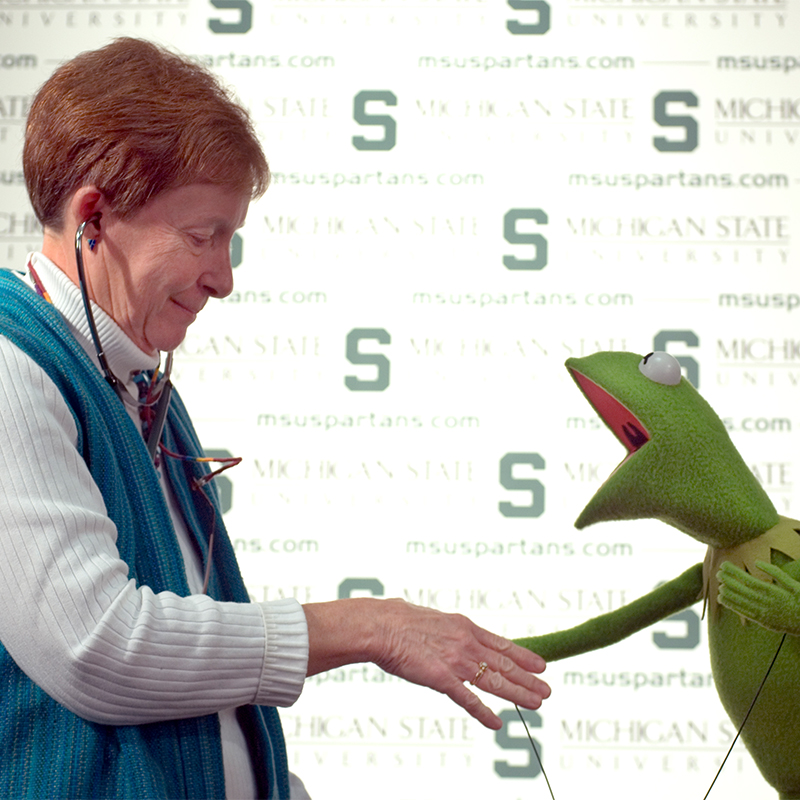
465	194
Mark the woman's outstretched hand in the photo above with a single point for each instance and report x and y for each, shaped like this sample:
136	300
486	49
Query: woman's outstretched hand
442	651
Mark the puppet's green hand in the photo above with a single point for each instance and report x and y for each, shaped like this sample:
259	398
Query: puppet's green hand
775	606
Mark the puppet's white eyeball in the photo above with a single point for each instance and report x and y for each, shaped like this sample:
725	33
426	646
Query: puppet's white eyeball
661	368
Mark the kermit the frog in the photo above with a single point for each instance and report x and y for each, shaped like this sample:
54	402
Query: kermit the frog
682	468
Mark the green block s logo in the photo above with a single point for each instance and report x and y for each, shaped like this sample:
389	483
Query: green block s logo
528	28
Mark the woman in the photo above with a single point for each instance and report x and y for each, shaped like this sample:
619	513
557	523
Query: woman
131	659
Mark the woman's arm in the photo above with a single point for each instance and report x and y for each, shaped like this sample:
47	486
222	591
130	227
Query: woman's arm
108	650
116	653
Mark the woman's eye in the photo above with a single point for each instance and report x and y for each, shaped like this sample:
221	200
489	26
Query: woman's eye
661	368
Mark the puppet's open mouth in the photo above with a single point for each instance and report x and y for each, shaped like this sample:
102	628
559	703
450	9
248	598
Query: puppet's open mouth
625	426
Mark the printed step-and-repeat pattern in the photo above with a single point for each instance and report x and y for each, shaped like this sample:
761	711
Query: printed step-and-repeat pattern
465	194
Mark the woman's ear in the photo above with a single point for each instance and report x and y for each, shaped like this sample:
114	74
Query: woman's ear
87	205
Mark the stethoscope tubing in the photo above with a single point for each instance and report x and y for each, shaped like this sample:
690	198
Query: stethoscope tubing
162	405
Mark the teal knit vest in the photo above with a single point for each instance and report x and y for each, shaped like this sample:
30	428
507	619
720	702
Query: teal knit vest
47	751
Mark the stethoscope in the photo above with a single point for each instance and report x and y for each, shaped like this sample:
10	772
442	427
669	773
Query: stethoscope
158	398
160	394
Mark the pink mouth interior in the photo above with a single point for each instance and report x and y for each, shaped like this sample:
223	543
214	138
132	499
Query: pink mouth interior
625	426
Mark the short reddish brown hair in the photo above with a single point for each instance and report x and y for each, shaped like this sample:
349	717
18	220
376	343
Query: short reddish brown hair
134	119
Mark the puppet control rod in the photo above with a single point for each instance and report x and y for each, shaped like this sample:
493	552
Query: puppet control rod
724	760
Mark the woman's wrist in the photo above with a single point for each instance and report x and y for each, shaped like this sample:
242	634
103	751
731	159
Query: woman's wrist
341	632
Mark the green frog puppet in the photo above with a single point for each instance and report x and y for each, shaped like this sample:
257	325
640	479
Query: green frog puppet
682	468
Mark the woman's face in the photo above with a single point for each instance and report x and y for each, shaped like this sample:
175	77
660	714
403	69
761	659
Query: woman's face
160	266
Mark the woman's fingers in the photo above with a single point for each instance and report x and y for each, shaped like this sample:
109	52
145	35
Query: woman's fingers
446	651
506	679
473	705
522	689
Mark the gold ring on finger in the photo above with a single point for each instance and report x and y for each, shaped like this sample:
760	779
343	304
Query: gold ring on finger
479	674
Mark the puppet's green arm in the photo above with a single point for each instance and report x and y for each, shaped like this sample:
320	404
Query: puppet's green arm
667	599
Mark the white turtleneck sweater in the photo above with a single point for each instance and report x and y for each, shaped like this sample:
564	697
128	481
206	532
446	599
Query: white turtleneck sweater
68	612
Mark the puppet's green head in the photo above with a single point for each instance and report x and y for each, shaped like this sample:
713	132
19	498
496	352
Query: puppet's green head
681	467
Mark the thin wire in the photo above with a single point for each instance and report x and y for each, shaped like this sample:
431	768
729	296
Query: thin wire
735	738
535	751
724	760
161	407
226	461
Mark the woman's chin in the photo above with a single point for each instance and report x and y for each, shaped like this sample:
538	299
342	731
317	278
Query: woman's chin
164	340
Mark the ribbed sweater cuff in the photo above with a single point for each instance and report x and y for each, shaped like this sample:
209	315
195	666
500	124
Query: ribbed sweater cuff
286	660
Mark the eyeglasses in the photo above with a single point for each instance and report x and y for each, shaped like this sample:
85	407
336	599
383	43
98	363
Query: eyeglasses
197	485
